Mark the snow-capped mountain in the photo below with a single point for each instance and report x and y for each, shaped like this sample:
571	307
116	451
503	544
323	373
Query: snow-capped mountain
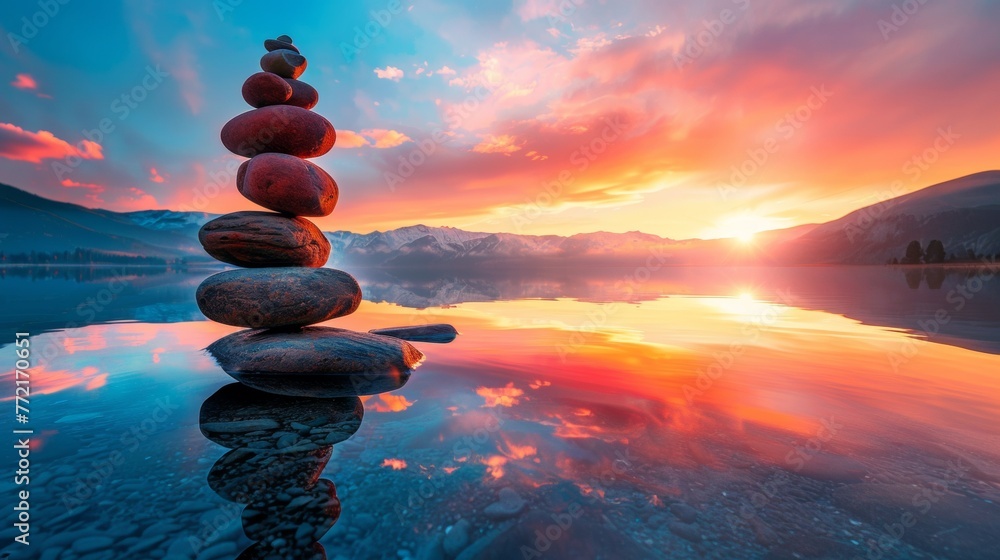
964	214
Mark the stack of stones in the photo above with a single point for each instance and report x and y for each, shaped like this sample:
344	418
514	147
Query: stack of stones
282	288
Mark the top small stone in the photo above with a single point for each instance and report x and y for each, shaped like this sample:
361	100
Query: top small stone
274	44
284	38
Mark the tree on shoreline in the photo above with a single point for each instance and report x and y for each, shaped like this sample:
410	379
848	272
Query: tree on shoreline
935	252
913	253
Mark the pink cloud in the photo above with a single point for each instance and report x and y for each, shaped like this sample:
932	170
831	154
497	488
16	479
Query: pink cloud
389	73
75	184
445	71
155	176
135	199
23	145
24	81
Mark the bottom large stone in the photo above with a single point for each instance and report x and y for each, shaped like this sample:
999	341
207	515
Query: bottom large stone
316	361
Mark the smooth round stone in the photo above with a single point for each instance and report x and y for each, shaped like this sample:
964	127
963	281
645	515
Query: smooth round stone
240	416
264	239
284	62
288	184
278	297
276	44
282	129
246	474
284	39
301	519
438	333
303	94
315	352
264	88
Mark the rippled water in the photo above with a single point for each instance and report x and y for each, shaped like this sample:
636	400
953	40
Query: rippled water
722	413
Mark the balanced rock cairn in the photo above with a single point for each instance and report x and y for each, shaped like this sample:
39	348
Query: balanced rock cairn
282	288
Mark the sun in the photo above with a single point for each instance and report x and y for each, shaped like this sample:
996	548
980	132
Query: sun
743	228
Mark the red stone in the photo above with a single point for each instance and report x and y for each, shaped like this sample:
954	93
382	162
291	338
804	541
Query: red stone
264	88
279	128
303	94
288	184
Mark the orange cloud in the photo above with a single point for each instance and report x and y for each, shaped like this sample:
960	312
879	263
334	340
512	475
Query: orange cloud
500	396
24	81
371	138
390	403
23	145
504	144
394	464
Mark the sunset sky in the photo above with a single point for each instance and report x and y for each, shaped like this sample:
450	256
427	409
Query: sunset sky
708	119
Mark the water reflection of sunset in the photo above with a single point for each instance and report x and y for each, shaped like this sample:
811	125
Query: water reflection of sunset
679	381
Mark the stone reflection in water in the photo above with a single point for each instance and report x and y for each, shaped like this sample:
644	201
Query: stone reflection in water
279	446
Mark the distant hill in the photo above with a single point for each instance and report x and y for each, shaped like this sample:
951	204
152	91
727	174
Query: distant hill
34	223
963	213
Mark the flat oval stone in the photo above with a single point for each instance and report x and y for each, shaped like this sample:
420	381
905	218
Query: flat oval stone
264	88
438	333
339	355
264	239
323	386
284	39
239	416
301	518
276	44
282	129
284	62
288	184
246	474
278	297
303	94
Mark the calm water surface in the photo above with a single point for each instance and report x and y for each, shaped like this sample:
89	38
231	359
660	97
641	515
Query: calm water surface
681	413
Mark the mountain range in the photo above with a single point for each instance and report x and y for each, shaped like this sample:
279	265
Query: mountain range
963	213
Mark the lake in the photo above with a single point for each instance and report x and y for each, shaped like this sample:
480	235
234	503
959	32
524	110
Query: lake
822	412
